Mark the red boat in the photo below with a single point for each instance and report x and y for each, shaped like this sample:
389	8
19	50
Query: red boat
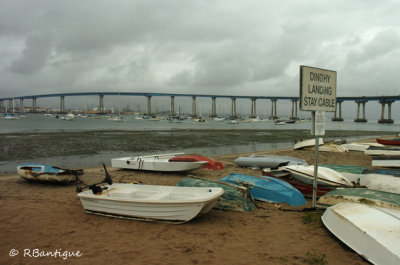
212	163
388	141
306	189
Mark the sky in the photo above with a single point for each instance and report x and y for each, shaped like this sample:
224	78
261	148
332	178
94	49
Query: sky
224	47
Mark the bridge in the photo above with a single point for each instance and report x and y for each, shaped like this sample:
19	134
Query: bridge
360	101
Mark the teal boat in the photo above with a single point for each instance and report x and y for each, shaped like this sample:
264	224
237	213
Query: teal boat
267	189
235	198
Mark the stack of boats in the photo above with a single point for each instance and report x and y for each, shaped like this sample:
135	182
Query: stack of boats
385	155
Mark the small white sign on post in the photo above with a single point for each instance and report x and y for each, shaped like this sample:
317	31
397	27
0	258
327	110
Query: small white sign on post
318	123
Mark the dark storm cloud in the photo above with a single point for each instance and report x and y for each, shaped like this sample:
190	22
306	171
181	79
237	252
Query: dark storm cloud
185	46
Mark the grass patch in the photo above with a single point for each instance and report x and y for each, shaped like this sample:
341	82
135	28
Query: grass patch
315	257
312	217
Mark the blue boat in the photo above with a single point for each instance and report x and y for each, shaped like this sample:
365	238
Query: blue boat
45	173
267	189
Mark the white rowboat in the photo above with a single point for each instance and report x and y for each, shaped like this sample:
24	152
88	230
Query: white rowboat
372	232
151	202
156	163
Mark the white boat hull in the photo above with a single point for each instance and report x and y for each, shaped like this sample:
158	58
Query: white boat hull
381	182
372	232
326	176
150	202
307	143
386	161
381	151
155	163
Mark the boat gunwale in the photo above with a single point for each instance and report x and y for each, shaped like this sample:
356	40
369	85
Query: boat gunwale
103	196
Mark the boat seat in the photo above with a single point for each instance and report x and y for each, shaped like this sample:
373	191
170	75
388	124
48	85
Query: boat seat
160	195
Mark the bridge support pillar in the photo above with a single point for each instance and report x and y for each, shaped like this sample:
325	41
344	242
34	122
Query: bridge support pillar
101	104
1	106
213	107
253	113
62	104
338	108
194	108
21	105
33	104
10	105
172	110
233	109
389	119
273	109
294	110
361	103
148	105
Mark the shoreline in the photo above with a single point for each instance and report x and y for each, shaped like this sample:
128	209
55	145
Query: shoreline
51	217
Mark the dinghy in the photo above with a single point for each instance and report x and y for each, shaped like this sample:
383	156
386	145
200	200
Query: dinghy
326	176
372	232
360	146
388	172
148	202
235	198
382	151
395	141
307	143
44	173
156	163
268	161
211	163
267	189
380	182
361	195
386	161
306	189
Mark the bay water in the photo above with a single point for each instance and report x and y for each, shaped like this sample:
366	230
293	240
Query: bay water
89	142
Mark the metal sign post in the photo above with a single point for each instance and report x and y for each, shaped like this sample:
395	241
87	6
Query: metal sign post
317	129
317	94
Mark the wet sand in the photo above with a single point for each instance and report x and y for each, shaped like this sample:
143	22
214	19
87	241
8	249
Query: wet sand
40	219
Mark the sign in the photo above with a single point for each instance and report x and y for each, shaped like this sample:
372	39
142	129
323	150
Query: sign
318	123
317	89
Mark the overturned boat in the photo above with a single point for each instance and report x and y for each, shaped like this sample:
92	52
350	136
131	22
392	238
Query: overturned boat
386	161
267	189
361	195
45	173
235	198
306	189
372	232
326	176
268	161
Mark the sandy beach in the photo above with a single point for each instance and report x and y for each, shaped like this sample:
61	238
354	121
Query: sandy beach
44	220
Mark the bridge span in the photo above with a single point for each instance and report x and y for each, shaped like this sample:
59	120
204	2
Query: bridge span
360	101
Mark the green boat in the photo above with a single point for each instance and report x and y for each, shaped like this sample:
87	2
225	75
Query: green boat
346	168
361	195
235	198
